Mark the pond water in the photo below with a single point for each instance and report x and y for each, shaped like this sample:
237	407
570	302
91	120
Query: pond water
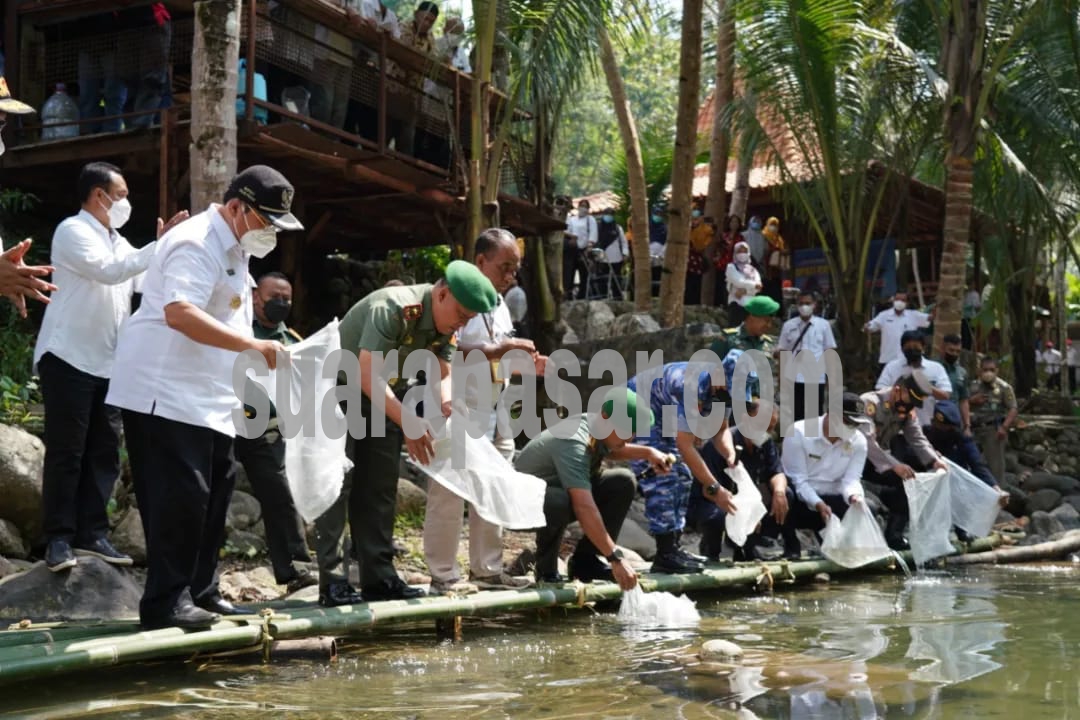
981	643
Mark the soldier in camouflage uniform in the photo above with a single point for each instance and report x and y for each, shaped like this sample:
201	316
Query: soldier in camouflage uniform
993	412
406	318
667	495
751	334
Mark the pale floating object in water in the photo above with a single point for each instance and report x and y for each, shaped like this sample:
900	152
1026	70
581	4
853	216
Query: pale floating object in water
720	650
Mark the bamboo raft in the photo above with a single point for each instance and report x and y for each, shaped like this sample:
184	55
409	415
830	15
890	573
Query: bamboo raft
35	651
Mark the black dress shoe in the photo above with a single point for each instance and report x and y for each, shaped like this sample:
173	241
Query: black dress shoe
340	594
391	589
58	556
221	606
103	549
185	616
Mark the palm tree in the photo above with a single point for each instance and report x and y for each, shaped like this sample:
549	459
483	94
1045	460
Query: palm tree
720	145
673	285
831	99
635	171
214	57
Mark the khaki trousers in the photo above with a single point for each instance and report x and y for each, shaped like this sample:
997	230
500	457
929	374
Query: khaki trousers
443	521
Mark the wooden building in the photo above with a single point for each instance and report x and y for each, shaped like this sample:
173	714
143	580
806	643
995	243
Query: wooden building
356	192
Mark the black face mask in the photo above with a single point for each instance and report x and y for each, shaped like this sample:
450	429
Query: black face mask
951	359
276	309
913	355
904	408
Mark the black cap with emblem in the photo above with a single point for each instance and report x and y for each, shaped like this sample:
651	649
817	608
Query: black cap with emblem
854	410
268	192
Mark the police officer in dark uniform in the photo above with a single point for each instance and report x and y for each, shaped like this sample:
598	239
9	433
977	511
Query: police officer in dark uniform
405	318
263	457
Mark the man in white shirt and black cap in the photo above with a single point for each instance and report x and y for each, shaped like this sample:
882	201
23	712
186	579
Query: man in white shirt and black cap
96	270
826	469
173	379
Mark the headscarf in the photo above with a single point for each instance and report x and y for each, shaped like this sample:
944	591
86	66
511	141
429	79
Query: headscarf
773	236
741	267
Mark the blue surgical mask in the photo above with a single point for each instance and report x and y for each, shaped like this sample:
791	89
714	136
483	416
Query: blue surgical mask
696	213
657	219
608	218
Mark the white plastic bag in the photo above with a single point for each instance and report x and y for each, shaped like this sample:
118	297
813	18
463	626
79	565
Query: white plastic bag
657	609
856	540
931	516
750	507
974	503
500	494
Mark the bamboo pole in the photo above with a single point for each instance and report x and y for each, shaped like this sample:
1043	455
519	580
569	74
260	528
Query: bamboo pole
38	651
1043	551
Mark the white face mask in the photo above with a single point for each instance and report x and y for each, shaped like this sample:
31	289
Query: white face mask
259	243
582	213
1	145
806	310
899	305
119	212
742	258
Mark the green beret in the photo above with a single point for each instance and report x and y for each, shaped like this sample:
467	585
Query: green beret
620	420
761	306
470	287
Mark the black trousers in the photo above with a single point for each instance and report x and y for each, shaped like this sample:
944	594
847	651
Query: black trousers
82	457
892	496
800	400
184	476
801	517
613	490
692	292
368	499
264	460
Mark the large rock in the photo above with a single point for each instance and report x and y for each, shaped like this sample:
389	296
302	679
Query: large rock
632	536
1073	500
92	590
411	500
22	456
1044	500
634	324
244	511
1018	500
600	322
245	544
11	542
128	537
1067	515
7	568
1061	483
1045	524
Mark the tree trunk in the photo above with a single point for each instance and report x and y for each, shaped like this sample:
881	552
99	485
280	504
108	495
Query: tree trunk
1061	316
963	62
635	169
1053	550
673	285
214	65
485	15
1021	296
740	194
720	146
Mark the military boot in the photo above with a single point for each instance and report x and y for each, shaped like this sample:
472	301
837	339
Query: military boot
668	560
686	554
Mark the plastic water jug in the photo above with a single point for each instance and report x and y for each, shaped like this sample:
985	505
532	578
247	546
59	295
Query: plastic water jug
59	108
262	115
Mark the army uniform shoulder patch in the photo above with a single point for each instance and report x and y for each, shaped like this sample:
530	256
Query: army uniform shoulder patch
413	312
871	409
731	331
768	338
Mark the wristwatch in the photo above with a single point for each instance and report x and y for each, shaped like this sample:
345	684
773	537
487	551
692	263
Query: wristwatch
712	489
615	556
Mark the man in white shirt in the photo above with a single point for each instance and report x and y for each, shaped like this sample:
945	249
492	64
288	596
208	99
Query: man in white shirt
173	381
19	281
912	346
96	269
581	234
806	332
498	258
612	240
451	46
374	14
1051	357
826	471
894	323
